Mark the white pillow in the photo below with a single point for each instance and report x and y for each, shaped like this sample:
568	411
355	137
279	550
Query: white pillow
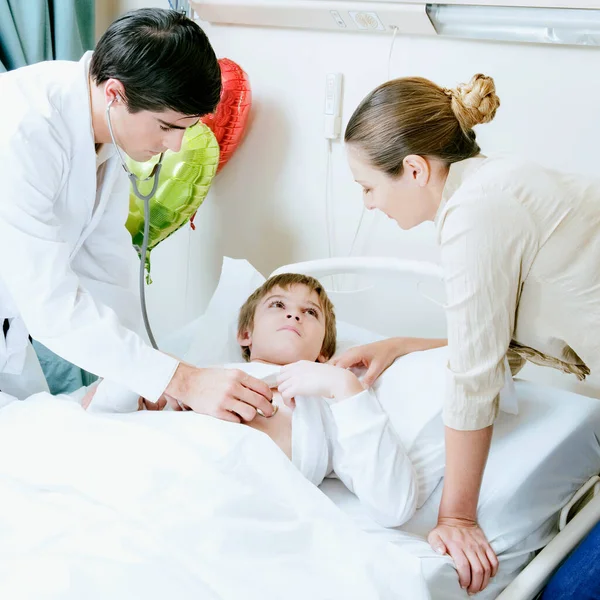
411	392
214	340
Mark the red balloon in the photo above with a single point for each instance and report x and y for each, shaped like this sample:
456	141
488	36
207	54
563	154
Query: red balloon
228	122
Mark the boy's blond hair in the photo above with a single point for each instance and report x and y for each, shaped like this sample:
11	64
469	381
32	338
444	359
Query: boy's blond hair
285	281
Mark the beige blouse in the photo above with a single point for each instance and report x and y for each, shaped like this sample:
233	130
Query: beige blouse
520	249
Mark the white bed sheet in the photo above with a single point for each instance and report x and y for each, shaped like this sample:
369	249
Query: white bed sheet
538	460
155	505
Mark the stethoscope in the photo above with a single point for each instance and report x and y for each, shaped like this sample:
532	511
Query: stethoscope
132	176
145	198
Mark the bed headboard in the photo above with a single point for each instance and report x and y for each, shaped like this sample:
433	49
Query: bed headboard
387	295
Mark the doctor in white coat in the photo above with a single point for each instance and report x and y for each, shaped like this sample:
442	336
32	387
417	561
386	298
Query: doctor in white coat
67	266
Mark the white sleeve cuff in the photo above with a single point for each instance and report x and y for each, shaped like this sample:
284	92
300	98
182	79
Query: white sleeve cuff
352	412
154	373
113	397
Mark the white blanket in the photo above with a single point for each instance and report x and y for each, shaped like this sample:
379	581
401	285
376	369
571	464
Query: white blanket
173	505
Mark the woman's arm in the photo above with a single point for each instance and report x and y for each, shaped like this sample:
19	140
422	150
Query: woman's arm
467	453
378	356
487	244
409	345
457	532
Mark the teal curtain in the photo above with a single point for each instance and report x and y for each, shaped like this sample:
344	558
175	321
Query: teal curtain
36	30
32	31
61	375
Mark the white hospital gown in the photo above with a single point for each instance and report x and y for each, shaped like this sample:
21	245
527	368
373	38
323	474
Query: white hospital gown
354	441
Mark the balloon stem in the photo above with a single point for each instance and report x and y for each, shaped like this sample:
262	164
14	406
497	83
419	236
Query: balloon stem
148	277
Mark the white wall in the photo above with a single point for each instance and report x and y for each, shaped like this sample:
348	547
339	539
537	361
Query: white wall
267	205
106	10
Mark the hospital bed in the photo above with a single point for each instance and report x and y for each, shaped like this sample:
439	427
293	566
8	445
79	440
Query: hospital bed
540	487
153	505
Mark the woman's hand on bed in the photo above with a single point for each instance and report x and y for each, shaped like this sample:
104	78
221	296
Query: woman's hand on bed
378	356
468	547
306	378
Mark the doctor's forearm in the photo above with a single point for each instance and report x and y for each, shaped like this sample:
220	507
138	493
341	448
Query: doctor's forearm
179	385
466	456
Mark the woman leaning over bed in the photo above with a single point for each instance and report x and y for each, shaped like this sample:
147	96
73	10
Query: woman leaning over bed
520	249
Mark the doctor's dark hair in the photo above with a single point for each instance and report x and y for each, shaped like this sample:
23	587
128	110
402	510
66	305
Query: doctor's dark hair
164	61
413	115
286	281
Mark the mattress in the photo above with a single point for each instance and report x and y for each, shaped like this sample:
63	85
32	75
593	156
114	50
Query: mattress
538	460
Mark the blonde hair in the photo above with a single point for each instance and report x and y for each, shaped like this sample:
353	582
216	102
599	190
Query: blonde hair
285	281
413	115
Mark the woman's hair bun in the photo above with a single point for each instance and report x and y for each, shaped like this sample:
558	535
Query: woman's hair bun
474	102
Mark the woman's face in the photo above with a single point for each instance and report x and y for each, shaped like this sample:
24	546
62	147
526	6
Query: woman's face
409	199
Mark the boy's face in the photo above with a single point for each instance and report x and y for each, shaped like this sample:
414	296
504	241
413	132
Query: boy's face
289	325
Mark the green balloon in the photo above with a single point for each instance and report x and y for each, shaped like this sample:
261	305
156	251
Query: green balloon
184	181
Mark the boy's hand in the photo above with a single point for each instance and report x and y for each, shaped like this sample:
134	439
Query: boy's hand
144	404
305	378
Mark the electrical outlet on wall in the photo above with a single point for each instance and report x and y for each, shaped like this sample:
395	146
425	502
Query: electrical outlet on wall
333	105
338	18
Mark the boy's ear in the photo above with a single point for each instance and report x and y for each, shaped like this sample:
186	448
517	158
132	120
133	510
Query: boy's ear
244	339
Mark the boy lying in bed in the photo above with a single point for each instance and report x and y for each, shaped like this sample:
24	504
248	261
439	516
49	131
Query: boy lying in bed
326	422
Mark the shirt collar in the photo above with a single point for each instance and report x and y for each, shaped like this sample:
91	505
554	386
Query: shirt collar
105	151
85	61
458	173
103	154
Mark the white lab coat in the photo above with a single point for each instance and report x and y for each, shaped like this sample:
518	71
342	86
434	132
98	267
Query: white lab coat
67	266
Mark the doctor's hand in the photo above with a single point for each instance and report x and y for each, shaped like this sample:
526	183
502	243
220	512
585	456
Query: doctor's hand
468	547
306	378
227	394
